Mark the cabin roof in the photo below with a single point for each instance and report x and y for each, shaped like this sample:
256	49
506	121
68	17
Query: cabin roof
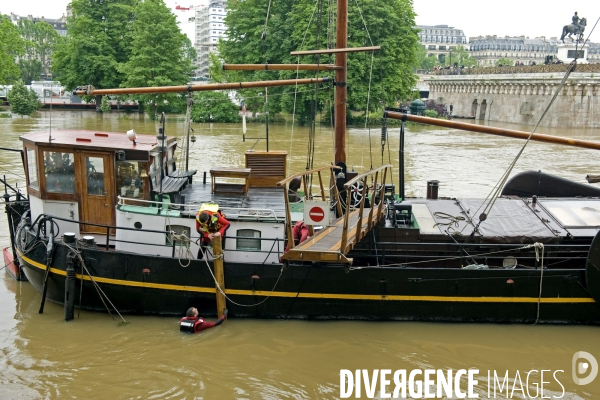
92	140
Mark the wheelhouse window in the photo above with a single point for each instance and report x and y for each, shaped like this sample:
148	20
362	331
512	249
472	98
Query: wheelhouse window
94	167
59	172
248	239
130	182
32	169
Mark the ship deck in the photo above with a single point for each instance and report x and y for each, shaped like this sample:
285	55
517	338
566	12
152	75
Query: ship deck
257	199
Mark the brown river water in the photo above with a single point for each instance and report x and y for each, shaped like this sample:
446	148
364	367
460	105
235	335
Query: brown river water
95	357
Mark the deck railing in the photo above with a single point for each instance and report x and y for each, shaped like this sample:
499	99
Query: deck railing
240	213
352	185
110	239
306	177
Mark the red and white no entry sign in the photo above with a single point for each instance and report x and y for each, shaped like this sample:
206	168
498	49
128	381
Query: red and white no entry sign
316	214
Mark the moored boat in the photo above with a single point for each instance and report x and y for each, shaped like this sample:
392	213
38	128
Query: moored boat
110	223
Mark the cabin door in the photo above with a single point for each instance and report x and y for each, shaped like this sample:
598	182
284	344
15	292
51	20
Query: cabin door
97	191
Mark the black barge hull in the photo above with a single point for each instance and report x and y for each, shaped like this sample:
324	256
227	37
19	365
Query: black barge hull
139	284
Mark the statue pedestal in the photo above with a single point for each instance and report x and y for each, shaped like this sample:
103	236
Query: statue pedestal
567	52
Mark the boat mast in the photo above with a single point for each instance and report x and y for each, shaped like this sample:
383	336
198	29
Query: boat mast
341	60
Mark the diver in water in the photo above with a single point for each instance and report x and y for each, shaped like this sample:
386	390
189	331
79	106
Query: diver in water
191	323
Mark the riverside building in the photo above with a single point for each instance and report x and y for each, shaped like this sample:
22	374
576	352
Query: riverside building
487	50
210	28
438	40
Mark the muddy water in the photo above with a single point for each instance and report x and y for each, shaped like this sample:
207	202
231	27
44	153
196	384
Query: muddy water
94	357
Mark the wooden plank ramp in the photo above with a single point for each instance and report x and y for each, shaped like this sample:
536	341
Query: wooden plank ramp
325	245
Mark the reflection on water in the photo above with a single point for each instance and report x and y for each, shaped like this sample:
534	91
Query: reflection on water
94	357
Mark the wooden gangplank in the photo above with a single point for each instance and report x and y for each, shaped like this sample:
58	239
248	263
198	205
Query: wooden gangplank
326	245
335	241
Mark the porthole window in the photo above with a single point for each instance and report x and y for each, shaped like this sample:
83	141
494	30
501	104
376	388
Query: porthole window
247	239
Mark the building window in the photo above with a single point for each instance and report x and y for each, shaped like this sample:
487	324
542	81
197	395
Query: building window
248	239
32	169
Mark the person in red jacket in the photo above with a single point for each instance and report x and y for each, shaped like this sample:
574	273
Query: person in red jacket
299	233
191	323
210	224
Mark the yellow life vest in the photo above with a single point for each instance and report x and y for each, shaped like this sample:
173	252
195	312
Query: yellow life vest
211	225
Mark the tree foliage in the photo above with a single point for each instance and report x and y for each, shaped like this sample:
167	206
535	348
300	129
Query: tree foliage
160	53
30	69
99	39
505	62
388	24
214	107
11	46
460	57
22	101
424	61
40	39
105	104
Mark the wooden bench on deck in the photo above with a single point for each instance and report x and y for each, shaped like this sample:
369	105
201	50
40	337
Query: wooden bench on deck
179	173
227	187
170	185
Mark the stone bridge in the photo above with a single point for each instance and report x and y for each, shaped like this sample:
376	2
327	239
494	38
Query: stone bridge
521	97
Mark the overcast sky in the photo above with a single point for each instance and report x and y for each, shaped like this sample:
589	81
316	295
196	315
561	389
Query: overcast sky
475	17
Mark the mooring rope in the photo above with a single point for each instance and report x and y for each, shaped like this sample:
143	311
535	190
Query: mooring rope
539	248
101	293
223	293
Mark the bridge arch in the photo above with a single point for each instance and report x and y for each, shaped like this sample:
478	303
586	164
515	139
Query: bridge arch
483	110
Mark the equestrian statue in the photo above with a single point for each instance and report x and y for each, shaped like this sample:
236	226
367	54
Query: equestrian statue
576	27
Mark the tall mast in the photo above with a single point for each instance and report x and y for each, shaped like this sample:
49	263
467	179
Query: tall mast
341	60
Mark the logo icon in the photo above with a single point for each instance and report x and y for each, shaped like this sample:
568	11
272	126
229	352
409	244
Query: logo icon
579	367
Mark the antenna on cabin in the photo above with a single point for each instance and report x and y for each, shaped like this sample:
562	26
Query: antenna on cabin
50	132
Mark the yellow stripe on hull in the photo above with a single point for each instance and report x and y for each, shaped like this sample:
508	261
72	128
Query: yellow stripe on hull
333	296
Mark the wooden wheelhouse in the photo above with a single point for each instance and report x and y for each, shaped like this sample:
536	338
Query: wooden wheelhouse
79	175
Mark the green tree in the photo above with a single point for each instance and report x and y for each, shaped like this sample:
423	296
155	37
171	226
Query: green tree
424	61
31	70
160	53
389	24
40	39
215	107
99	40
461	57
215	68
105	104
11	46
22	101
505	62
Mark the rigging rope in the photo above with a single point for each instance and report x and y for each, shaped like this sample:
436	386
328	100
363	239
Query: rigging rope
296	87
495	192
529	246
539	247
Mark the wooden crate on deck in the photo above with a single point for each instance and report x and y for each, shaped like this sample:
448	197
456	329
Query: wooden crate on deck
268	168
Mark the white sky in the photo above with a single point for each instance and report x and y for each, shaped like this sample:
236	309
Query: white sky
475	17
